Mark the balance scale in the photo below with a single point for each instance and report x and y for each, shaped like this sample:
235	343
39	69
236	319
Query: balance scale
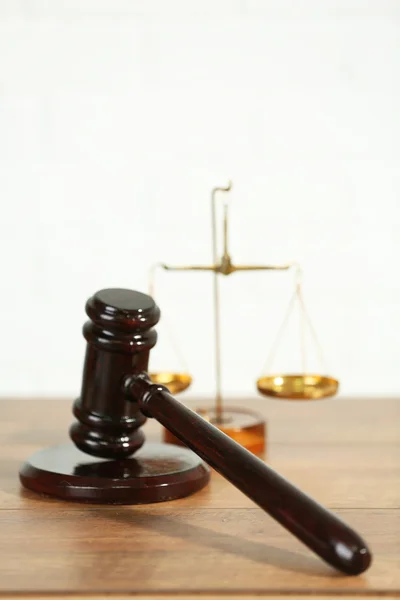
246	427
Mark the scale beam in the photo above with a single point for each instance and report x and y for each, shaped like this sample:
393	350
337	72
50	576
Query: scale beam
226	267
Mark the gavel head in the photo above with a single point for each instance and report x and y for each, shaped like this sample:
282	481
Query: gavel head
119	337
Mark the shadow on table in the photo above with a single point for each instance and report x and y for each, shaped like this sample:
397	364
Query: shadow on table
233	544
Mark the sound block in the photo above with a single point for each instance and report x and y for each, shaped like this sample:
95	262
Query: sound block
156	473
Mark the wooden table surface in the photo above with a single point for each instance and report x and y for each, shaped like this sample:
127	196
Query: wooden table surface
344	453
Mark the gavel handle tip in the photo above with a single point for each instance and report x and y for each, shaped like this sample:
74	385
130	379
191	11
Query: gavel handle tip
356	563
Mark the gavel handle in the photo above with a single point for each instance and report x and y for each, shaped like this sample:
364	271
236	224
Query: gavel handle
318	528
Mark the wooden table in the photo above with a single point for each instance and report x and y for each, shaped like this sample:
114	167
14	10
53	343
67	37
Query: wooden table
345	453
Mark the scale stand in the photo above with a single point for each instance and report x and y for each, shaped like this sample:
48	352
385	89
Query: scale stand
246	427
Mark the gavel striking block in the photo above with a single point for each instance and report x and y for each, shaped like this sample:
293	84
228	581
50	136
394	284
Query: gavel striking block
109	462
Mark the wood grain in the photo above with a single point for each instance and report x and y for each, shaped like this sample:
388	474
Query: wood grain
166	596
345	453
340	421
137	549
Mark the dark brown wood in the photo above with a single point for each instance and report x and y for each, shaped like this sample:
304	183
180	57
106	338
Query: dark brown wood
321	530
119	336
156	473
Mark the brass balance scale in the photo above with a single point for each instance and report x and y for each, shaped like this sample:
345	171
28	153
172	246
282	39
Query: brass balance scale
246	427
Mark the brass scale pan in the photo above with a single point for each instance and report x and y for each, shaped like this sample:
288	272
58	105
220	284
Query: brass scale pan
290	387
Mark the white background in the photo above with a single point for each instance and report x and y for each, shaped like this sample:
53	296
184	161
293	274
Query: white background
117	118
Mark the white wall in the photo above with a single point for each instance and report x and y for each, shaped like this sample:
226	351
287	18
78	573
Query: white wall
116	120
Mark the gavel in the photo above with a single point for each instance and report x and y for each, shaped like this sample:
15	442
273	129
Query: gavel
117	396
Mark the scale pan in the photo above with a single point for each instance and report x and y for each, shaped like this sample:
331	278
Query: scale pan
175	382
298	387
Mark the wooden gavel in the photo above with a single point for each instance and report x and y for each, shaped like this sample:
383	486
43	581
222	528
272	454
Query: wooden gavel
117	396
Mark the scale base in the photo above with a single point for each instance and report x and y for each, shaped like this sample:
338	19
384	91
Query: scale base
246	427
156	473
